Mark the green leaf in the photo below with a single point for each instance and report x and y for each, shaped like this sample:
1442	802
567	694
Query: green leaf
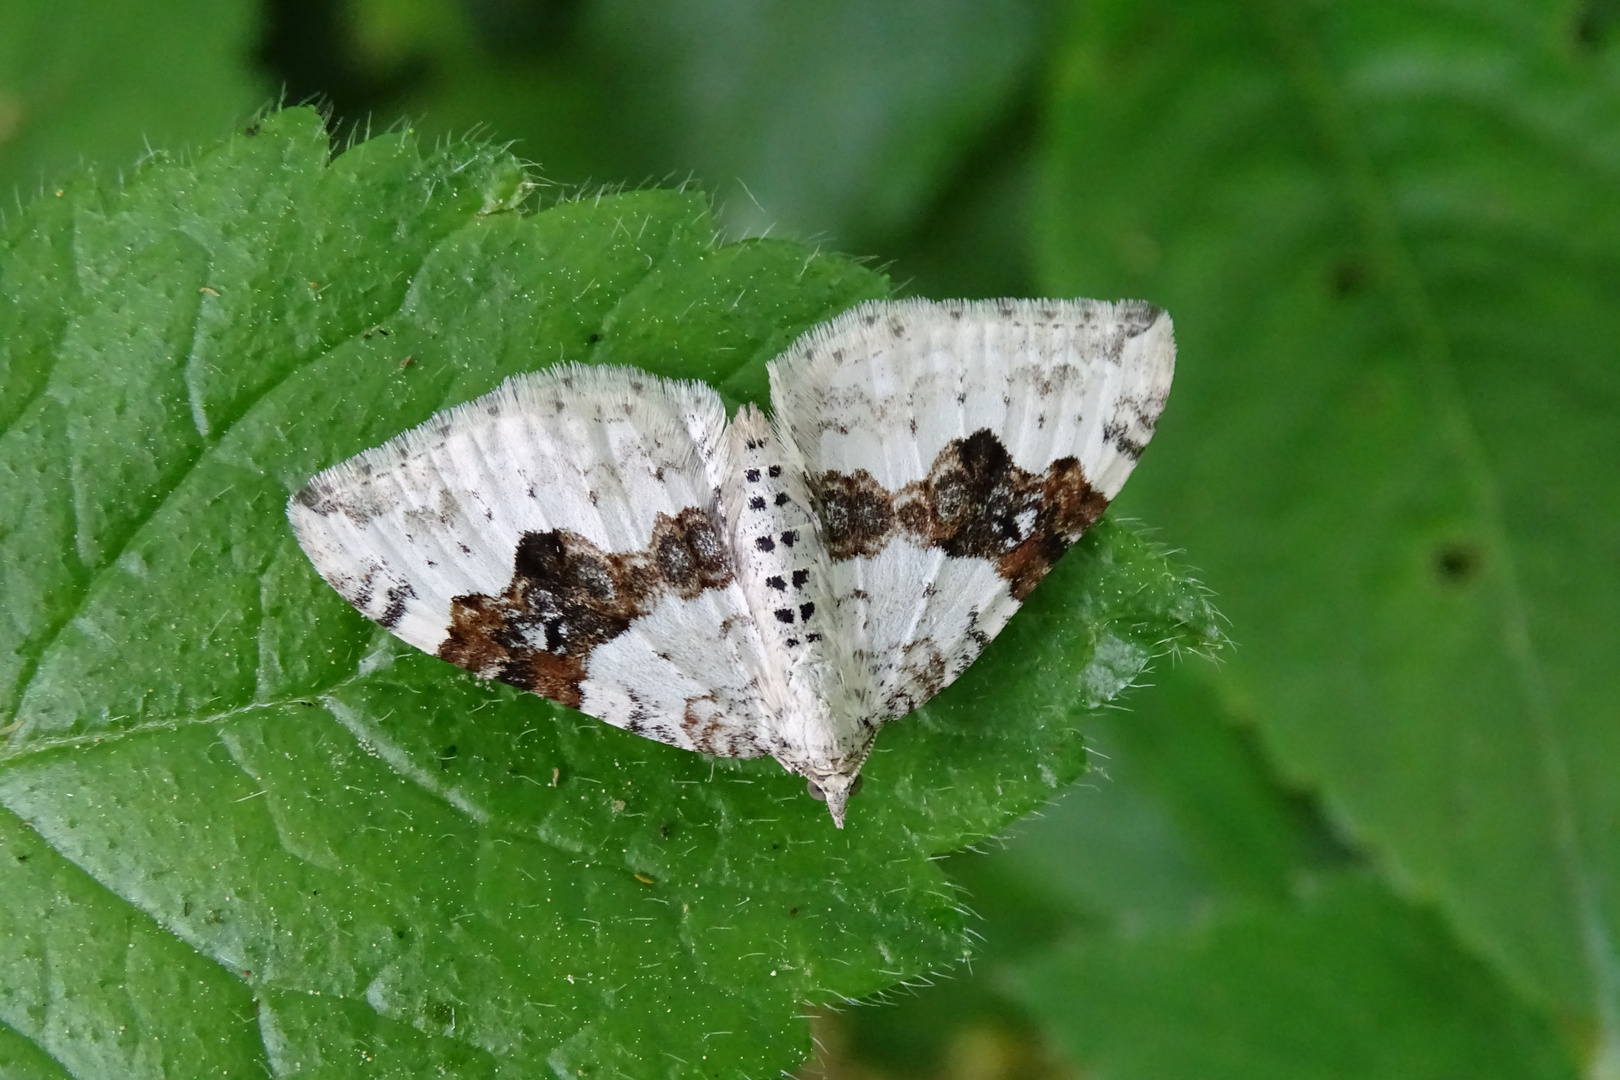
94	987
398	864
1389	238
1178	914
1177	818
1348	984
84	79
1178	815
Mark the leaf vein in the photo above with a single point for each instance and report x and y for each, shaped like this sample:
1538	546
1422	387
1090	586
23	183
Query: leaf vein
85	587
1324	95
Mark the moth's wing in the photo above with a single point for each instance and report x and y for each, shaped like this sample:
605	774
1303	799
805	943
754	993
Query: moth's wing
561	534
954	451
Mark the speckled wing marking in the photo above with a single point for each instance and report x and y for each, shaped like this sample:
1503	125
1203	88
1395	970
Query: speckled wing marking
954	451
778	586
562	534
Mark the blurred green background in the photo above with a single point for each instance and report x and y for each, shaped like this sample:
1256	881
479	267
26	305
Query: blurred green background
1381	836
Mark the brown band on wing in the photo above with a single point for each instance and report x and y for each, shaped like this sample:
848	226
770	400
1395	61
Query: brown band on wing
975	502
567	596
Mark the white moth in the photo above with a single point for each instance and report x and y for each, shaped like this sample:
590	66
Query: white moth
784	586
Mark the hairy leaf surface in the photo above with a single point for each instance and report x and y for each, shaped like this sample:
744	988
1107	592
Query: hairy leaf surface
274	832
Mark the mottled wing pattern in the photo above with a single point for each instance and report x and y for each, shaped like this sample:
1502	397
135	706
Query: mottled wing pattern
561	534
954	451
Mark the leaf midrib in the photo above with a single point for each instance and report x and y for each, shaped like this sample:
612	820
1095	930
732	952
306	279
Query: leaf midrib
1329	105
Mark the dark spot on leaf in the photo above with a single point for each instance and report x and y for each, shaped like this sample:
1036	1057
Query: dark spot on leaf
1457	563
1595	22
1349	277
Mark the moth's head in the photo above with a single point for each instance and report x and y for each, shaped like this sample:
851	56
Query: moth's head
834	789
832	772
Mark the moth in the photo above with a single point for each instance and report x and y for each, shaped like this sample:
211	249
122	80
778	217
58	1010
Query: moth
779	585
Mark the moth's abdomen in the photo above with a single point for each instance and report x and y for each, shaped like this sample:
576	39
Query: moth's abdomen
777	549
781	565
